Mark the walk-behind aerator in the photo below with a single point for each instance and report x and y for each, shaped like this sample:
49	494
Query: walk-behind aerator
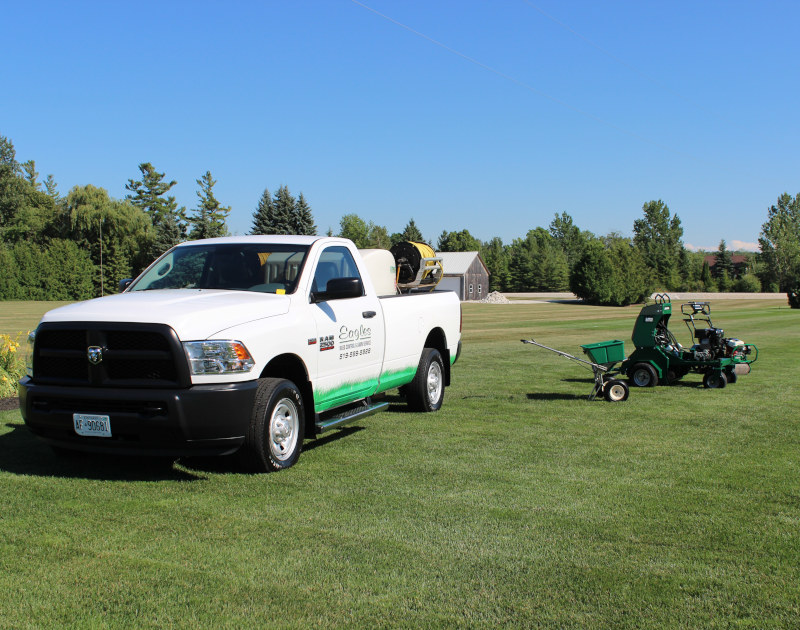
659	358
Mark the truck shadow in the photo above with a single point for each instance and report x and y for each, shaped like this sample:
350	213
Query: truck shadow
231	464
22	453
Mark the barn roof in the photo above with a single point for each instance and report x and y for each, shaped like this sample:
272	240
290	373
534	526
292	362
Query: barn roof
736	259
457	263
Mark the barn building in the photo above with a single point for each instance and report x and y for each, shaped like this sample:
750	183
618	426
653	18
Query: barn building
466	274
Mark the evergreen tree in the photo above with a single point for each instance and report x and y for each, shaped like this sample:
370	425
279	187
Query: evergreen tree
303	219
706	279
31	175
169	221
658	238
264	216
284	205
496	257
410	233
208	220
52	188
723	262
520	266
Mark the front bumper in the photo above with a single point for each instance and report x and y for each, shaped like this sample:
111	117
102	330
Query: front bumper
199	420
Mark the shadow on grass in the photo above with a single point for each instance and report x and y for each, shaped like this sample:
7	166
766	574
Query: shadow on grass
231	463
22	453
553	396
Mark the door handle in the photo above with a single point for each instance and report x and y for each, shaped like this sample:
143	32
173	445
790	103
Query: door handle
368	314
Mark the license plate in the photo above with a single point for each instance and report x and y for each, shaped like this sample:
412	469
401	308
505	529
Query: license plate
91	425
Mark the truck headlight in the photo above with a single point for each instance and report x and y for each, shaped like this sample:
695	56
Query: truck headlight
218	357
29	356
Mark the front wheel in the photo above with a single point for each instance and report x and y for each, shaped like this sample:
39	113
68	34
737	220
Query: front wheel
277	424
426	391
715	380
616	391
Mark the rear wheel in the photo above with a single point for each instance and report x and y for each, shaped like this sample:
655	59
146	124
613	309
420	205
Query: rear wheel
426	391
643	375
277	424
616	391
715	380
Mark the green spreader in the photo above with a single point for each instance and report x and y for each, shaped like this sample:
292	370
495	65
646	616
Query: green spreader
604	356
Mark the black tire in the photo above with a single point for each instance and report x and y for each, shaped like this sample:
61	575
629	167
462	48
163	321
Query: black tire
732	377
643	375
715	380
616	391
277	425
426	391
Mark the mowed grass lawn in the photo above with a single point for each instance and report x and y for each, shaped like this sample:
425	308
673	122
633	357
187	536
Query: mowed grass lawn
519	504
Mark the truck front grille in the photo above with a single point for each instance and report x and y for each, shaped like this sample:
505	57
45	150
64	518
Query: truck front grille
125	355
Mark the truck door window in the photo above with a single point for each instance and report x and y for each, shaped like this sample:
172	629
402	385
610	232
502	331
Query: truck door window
334	262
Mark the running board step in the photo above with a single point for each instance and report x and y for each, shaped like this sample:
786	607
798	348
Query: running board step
347	416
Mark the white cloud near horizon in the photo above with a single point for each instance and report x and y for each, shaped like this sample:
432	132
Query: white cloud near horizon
734	246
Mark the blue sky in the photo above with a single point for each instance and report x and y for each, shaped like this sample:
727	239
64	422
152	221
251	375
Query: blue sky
490	116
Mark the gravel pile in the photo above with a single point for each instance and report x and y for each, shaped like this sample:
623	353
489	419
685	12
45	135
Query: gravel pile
495	297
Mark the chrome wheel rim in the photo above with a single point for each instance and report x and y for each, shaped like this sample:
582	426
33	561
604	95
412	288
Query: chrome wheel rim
435	383
284	427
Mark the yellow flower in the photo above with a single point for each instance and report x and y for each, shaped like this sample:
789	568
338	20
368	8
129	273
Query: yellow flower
5	380
13	349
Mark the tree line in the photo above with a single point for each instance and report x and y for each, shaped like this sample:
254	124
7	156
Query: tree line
78	246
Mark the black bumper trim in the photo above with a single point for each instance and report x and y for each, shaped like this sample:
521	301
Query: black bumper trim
199	420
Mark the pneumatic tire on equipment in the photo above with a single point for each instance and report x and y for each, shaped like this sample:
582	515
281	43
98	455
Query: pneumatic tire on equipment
615	391
715	380
277	425
643	375
426	391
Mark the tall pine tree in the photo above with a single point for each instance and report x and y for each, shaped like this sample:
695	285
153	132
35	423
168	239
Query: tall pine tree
169	221
304	221
208	220
264	215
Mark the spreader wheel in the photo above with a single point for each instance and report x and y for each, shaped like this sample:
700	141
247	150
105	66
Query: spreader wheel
616	391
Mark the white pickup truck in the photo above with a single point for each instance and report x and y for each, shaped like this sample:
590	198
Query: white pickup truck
247	344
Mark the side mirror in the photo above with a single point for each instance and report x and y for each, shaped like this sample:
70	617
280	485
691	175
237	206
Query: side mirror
124	284
339	289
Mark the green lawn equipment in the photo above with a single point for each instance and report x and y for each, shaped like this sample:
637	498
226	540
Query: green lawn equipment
659	358
604	356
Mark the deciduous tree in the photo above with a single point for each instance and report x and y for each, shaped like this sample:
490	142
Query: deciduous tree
780	245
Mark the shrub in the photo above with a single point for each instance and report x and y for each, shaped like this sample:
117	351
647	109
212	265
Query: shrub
614	276
748	283
12	367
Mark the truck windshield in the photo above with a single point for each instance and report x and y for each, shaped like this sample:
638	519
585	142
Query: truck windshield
258	267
